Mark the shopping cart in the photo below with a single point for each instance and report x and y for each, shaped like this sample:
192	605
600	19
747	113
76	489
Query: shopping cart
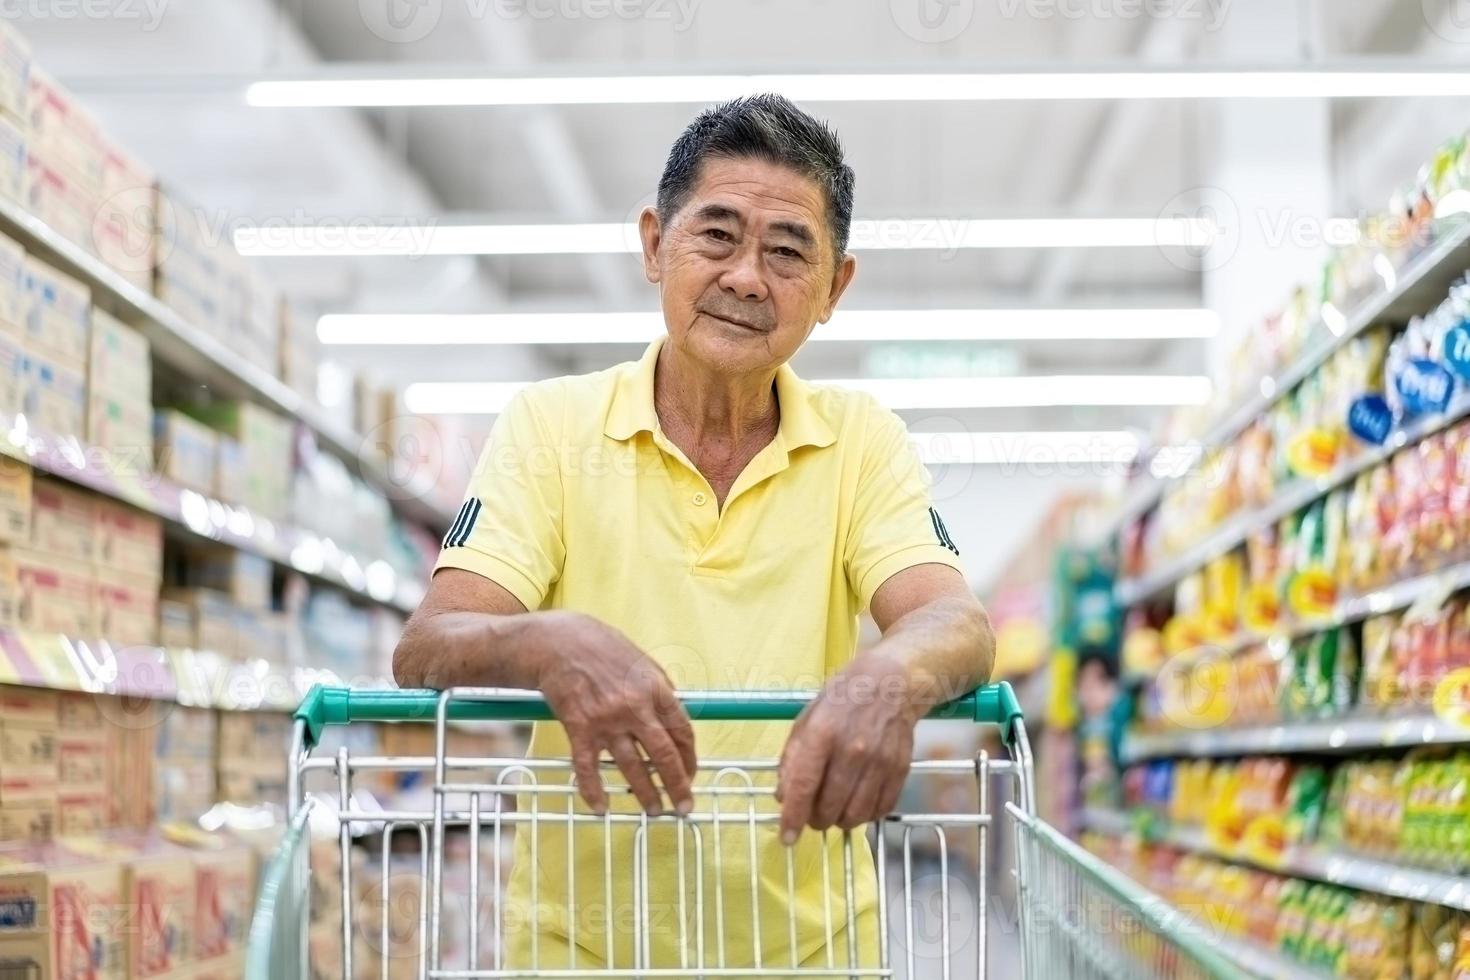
1076	916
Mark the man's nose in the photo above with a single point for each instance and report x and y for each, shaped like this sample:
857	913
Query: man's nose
743	274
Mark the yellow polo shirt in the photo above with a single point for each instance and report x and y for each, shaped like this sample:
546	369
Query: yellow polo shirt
580	502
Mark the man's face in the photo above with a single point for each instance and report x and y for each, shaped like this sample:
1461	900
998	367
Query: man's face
746	267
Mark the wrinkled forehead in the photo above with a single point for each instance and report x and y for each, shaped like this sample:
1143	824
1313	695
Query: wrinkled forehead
758	194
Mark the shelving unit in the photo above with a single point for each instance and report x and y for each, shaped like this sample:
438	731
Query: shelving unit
1325	736
1418	285
1290	500
130	482
190	350
1317	863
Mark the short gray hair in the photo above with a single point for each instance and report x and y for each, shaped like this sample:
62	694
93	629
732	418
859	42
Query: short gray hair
765	127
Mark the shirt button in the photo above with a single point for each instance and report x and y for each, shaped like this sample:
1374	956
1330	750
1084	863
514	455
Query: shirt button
699	499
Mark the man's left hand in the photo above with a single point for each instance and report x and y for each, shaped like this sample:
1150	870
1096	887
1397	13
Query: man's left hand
849	751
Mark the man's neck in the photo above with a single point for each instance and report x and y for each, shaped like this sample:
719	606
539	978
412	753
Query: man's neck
713	411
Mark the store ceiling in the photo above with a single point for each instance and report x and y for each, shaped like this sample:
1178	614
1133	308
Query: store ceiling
600	163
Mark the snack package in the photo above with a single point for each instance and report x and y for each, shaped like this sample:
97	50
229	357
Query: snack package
1434	537
1305	799
1378	686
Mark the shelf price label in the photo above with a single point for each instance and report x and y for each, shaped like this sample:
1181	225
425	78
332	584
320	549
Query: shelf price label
1370	419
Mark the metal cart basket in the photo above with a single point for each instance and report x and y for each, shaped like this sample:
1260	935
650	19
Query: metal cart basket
437	913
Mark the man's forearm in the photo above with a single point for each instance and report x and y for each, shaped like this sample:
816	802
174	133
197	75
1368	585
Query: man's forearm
449	649
943	649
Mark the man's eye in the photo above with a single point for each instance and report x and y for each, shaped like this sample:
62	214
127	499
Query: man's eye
786	252
718	234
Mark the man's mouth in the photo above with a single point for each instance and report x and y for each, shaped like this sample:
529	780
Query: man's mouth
734	323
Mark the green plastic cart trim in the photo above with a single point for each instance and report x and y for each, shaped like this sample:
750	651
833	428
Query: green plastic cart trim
993	704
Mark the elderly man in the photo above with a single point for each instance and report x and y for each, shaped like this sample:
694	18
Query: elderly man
703	518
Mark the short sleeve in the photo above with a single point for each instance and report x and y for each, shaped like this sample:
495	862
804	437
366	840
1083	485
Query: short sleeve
894	523
509	527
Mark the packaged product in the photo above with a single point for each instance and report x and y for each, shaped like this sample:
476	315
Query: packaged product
1305	799
1379	686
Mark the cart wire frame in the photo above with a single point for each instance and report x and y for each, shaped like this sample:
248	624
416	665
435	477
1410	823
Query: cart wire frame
1059	938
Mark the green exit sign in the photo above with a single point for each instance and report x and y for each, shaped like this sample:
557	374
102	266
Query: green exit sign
941	361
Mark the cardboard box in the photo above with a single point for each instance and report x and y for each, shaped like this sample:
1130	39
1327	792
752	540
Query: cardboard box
28	749
254	738
15	73
57	595
14	161
27	789
124	428
82	811
187	735
265	439
16	488
12	373
81	761
34	706
183	790
57	313
159	888
213	619
220	968
63	132
9	591
53	394
118	360
27	824
63	519
175	624
127	608
129	540
126	217
186	449
64	915
80	713
243	577
12	273
231	472
224	888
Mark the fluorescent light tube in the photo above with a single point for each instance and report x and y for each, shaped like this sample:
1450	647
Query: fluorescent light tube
417	239
1319	83
872	326
491	397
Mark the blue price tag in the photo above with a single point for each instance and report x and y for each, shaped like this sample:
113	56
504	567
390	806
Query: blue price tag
1370	419
1457	349
1425	386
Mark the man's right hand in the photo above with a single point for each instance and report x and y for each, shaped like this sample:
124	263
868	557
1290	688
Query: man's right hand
608	694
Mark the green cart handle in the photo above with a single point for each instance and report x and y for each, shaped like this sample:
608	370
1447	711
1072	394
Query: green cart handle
993	704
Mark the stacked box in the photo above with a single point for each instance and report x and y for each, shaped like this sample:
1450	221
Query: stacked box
186	253
265	441
57	310
127	608
64	160
243	577
56	595
14	300
15	75
53	394
250	312
84	746
16	488
158	886
63	520
251	764
65	916
211	620
301	353
119	387
224	888
132	727
130	540
13	376
184	772
123	231
28	763
14	171
186	449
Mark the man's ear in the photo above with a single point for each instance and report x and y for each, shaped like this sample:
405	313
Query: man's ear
841	279
650	233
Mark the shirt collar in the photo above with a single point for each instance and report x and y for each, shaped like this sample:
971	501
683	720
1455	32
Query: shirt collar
631	409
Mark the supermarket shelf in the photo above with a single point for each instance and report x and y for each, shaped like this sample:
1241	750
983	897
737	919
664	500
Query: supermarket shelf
195	678
131	480
208	361
1421	283
1317	863
1345	734
1399	595
1292	499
